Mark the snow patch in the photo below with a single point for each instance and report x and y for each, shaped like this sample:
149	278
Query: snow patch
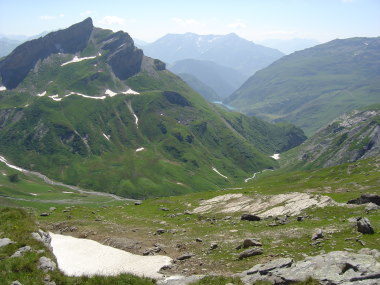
140	149
2	159
3	88
67	192
276	156
33	194
107	137
130	91
77	59
41	94
79	257
216	170
110	93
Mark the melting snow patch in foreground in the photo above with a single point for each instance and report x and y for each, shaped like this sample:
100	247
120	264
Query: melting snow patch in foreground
216	170
78	257
3	88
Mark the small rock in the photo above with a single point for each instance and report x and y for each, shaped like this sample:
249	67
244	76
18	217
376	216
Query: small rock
364	226
160	231
251	242
185	256
282	220
46	264
251	252
187	212
43	237
263	269
51	209
138	203
44	214
152	251
5	241
250	217
164	209
198	240
65	211
16	283
318	234
213	246
21	251
371	207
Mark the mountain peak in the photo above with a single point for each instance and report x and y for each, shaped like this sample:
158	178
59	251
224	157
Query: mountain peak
15	67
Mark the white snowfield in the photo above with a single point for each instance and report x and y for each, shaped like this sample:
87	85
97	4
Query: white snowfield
130	91
77	59
3	88
41	94
140	149
216	170
79	257
110	93
276	156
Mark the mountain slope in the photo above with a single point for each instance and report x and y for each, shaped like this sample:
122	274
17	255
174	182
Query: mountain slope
198	86
347	139
310	88
99	114
228	50
291	45
223	80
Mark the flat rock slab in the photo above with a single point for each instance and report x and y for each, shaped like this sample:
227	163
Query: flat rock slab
79	257
5	242
337	267
265	206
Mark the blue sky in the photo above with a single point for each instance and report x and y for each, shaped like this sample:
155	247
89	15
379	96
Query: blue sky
148	20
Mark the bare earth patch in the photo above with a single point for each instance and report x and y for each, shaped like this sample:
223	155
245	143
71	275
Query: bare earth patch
265	206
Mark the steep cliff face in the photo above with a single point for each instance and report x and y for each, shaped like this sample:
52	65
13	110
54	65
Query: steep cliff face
125	59
15	67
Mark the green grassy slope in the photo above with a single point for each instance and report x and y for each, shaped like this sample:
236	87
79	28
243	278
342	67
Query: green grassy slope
92	143
310	88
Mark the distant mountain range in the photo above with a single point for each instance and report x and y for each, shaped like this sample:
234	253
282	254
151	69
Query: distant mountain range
225	51
291	45
310	88
84	106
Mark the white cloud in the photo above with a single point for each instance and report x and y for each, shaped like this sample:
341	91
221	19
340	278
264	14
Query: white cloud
112	20
237	25
87	13
50	17
47	18
186	22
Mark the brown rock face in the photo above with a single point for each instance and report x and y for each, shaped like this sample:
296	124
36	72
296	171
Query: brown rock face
15	67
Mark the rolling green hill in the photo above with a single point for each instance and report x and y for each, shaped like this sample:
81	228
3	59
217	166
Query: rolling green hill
97	113
312	87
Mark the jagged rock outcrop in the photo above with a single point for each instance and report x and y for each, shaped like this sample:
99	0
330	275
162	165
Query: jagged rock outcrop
337	267
15	67
349	138
125	59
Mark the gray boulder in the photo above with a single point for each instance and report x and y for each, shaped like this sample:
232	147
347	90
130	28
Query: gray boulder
5	242
366	198
250	217
185	256
46	264
251	252
251	242
371	207
364	226
318	234
16	283
43	237
21	251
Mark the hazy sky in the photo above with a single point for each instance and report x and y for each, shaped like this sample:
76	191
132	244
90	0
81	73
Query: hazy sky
148	20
